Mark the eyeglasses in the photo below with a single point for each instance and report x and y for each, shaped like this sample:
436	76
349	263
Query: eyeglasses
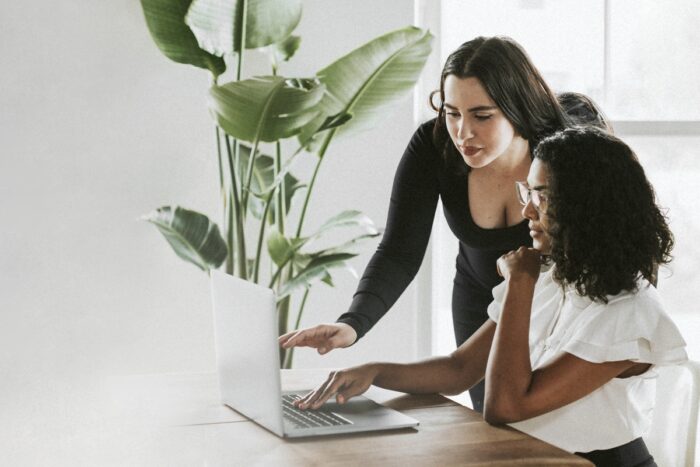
526	194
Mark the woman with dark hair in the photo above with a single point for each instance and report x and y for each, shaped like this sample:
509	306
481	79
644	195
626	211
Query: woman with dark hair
575	327
493	108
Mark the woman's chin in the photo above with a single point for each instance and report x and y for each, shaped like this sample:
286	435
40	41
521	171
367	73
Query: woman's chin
477	161
543	247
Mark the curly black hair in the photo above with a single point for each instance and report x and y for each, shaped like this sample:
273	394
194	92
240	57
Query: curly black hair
605	226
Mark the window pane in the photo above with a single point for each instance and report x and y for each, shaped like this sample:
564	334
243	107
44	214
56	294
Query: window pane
564	38
672	165
654	60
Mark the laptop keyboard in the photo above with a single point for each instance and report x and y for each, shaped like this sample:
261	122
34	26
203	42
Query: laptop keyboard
309	418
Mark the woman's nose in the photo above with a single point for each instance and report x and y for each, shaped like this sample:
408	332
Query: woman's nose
465	132
529	211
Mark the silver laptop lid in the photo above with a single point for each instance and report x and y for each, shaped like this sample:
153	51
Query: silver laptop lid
247	354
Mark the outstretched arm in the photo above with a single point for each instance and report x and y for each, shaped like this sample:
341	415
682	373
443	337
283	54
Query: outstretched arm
399	255
449	375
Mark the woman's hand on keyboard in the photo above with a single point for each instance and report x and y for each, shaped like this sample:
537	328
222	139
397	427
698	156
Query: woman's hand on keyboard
324	337
344	384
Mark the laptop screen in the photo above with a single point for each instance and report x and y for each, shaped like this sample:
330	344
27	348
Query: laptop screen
247	354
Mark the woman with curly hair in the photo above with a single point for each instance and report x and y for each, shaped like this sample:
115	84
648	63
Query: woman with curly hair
575	329
493	106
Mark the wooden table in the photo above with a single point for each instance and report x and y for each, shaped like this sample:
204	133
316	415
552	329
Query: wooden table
185	424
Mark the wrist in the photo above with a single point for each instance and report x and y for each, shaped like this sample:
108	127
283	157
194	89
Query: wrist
349	333
373	370
522	280
349	330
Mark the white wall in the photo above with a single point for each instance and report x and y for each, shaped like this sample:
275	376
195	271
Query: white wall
97	128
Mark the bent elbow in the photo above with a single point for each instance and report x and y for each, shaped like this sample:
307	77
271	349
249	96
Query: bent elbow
500	414
454	390
494	417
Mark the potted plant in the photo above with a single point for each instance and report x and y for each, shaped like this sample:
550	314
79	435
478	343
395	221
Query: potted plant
258	240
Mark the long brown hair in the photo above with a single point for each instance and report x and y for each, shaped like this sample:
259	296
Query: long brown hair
511	80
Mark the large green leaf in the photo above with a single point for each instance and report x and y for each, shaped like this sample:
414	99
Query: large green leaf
266	108
280	247
285	49
313	266
263	180
345	246
368	81
348	218
166	22
192	235
217	23
316	270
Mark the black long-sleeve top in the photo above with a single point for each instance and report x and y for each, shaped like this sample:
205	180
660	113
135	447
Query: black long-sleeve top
421	178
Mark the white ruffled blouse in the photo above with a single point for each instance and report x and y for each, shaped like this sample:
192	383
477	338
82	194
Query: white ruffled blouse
631	326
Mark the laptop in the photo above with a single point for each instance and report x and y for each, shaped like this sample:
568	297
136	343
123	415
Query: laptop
248	361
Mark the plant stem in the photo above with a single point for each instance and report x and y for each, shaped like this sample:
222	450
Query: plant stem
236	207
227	225
290	352
249	176
218	152
277	273
261	236
282	318
281	212
233	163
321	153
243	21
230	233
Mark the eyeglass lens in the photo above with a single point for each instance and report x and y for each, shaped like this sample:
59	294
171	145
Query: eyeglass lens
525	194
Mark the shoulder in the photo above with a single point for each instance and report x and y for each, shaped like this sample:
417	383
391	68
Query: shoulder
422	140
421	156
633	325
643	304
426	128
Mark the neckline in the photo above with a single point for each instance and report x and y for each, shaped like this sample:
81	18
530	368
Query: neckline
474	224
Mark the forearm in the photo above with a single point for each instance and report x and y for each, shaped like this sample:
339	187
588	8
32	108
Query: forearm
508	372
384	280
448	375
364	312
445	375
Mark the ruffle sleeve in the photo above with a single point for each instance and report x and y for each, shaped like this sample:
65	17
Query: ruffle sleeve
630	327
494	308
546	291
